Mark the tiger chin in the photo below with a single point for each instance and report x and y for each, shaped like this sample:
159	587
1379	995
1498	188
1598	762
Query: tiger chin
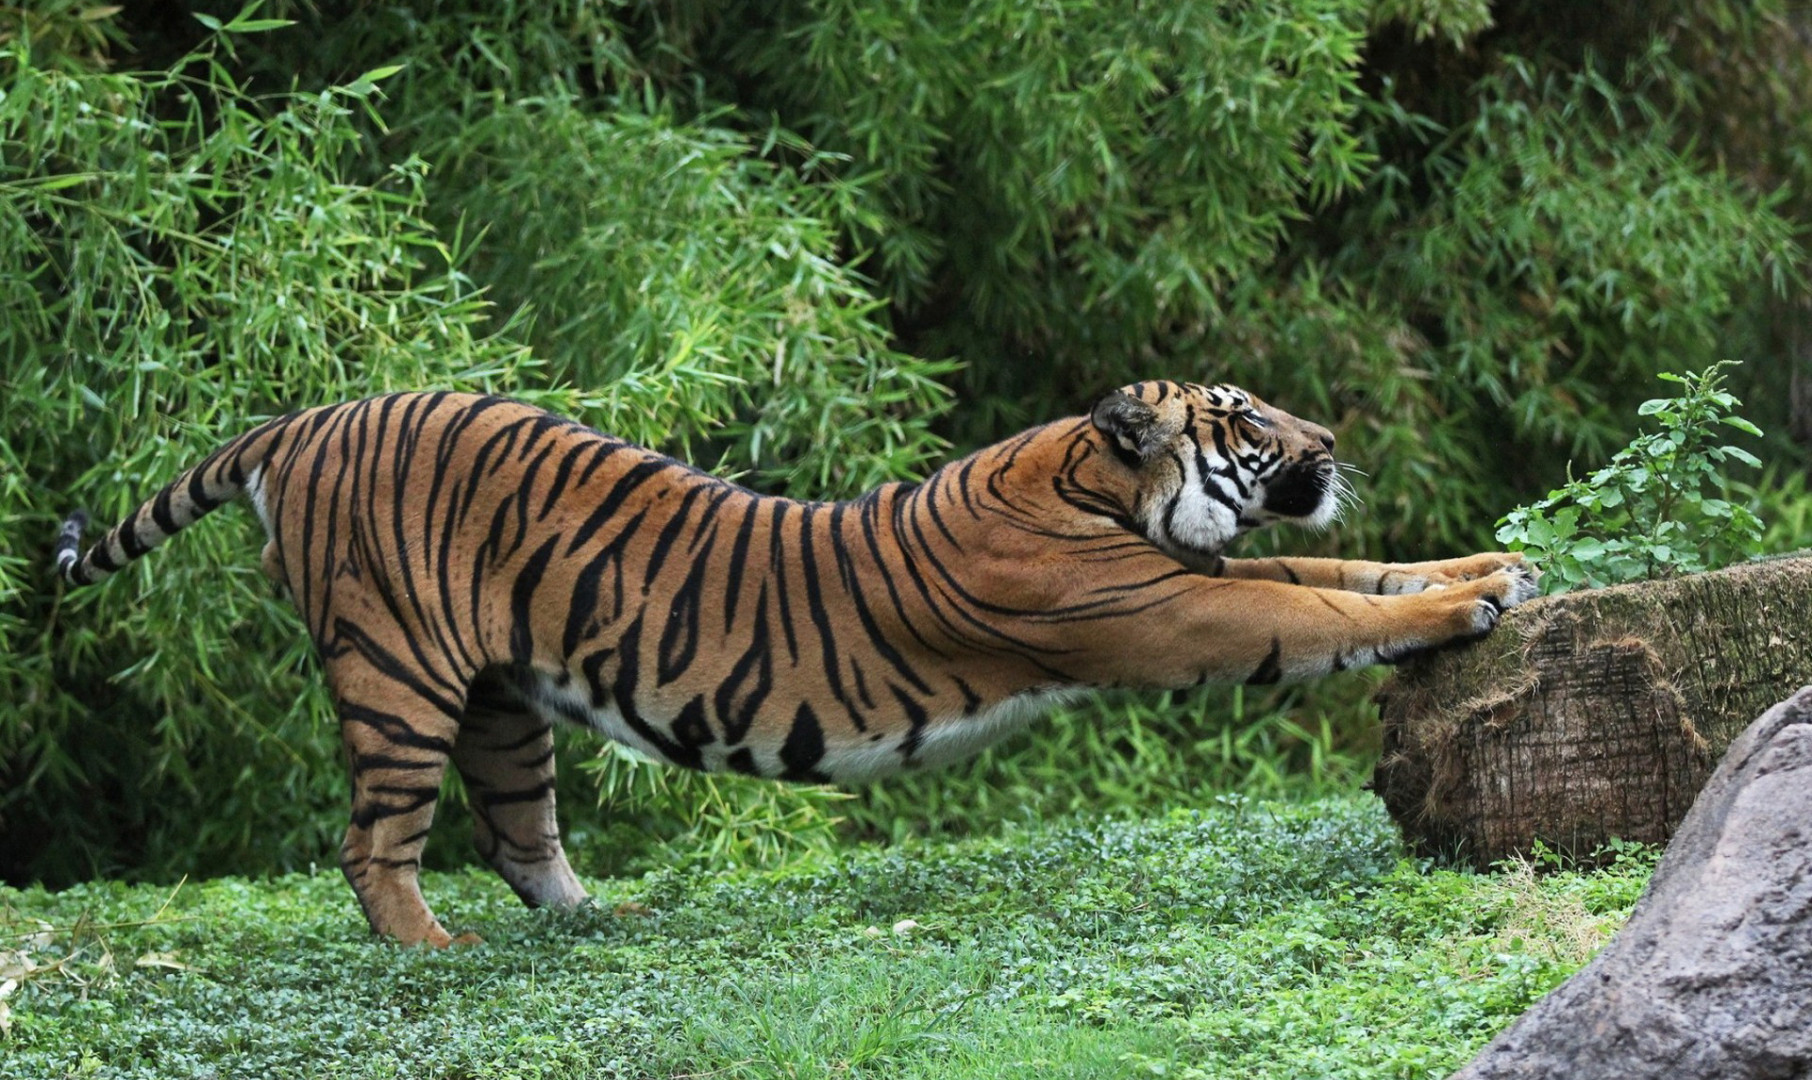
473	570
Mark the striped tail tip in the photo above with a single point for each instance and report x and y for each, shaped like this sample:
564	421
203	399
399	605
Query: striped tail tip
68	552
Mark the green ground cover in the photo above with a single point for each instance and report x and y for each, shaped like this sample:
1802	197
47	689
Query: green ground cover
1251	939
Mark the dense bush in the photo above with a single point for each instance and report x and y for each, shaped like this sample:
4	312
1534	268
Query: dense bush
184	258
1464	235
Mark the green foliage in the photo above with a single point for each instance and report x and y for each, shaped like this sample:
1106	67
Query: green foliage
702	285
1661	507
1107	753
1247	939
182	259
1460	263
1456	20
179	263
1115	166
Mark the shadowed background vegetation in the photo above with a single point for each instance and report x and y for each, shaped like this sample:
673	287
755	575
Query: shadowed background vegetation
820	244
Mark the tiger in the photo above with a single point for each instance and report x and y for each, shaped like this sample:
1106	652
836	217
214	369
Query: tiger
473	570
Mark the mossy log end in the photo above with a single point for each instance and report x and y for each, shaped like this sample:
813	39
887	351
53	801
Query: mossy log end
1590	715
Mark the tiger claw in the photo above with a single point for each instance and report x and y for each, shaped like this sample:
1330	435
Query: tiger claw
1525	584
1498	593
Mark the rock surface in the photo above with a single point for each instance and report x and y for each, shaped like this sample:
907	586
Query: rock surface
1712	977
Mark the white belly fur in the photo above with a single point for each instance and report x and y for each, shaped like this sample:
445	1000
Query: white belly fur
958	737
943	741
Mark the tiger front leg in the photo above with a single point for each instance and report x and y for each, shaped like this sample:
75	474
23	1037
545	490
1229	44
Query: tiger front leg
1238	631
505	754
1440	573
1374	578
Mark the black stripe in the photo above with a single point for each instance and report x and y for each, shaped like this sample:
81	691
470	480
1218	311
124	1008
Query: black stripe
365	762
526	484
871	514
1270	669
690	728
518	743
587	586
777	570
161	512
846	570
388	664
393	728
668	537
522	598
625	486
129	541
756	663
739	556
560	478
820	616
533	793
198	491
501	442
679	637
916	719
804	748
100	557
599	456
971	699
628	674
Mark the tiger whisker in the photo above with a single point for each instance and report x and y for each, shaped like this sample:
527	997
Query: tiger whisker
1346	496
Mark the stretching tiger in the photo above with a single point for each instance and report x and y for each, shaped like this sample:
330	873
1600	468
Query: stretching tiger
472	569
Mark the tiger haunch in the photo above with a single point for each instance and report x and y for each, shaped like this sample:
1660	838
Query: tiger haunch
473	570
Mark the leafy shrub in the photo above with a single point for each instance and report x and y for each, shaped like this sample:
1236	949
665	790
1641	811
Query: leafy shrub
1661	506
1460	259
1114	751
180	259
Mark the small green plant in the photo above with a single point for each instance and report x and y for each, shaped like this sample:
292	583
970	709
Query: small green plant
1659	508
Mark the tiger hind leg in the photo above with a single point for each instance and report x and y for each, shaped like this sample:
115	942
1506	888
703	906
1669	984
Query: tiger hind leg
398	738
505	755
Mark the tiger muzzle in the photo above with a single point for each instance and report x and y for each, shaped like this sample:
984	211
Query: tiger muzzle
1298	490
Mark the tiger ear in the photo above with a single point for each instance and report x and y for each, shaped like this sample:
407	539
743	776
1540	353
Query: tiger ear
1131	427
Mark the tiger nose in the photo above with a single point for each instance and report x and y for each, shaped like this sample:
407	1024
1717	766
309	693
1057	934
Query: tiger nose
1323	436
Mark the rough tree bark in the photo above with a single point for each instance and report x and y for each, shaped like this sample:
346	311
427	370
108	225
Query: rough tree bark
1592	715
1711	979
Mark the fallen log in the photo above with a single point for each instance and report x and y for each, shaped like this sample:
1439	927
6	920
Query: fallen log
1711	978
1590	715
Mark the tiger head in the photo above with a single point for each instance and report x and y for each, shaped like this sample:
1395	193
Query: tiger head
1207	463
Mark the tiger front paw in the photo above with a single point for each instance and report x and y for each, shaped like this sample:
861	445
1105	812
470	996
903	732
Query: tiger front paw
1474	567
1492	595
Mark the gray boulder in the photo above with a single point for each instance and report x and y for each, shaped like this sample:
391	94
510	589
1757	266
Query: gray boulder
1712	977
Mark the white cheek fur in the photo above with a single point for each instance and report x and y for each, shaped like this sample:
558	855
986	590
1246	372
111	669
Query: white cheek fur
1191	520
